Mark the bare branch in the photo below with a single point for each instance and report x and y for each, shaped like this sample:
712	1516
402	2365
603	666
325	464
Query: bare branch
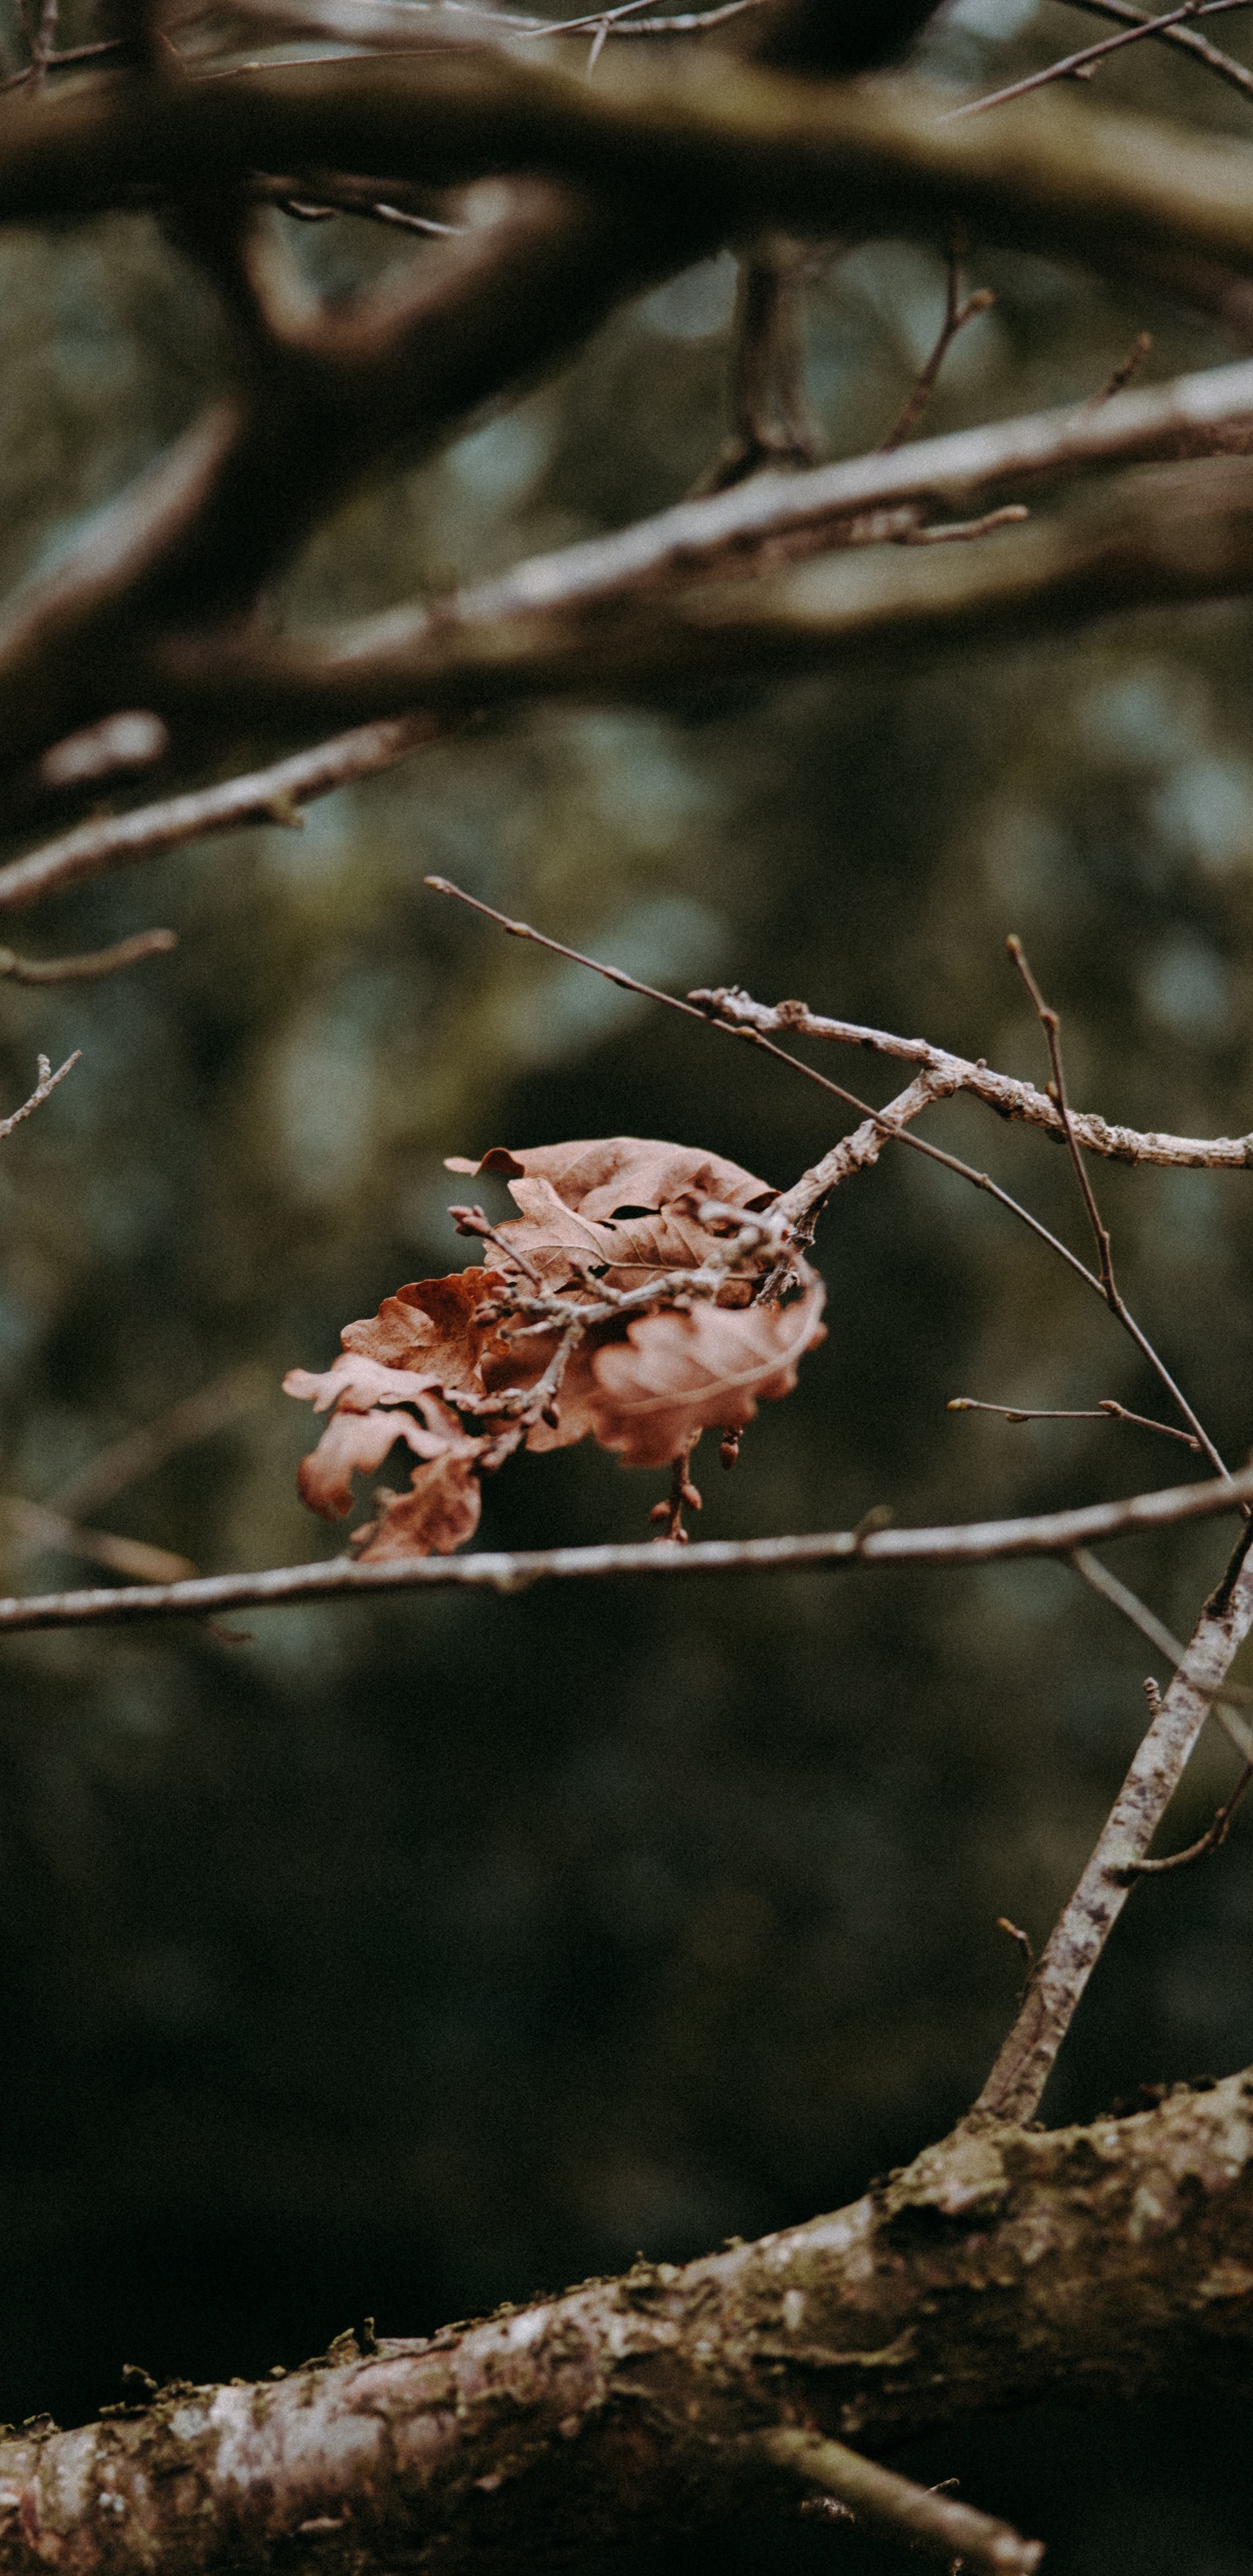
1011	1098
1130	1607
43	1090
1185	38
86	970
995	2269
273	795
1184	533
923	2517
798	1206
1114	1299
958	311
764	147
43	1528
140	1453
773	421
1024	2064
964	1543
1081	66
1108	1410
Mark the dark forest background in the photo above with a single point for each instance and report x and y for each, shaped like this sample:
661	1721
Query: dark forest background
403	1958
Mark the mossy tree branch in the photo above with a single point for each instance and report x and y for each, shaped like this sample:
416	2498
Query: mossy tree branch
1114	2261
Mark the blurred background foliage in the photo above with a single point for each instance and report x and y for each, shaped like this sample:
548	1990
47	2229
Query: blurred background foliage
402	1958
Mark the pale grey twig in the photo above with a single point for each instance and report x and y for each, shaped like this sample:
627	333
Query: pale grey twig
139	1453
1011	1098
43	1090
1106	1411
43	1528
963	1543
273	795
1060	1975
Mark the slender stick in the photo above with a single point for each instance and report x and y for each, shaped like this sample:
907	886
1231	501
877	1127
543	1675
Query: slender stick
273	795
1051	1025
923	2517
1129	1605
1106	1411
1080	66
964	1543
43	1090
87	969
800	1204
958	311
1184	38
1058	1980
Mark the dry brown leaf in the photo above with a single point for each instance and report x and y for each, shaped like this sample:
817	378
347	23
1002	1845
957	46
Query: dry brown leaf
430	1327
675	1374
356	1385
610	1212
355	1444
618	1206
438	1514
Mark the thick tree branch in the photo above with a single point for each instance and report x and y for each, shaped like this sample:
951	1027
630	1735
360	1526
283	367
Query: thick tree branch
749	147
1150	538
963	1543
1108	2262
672	169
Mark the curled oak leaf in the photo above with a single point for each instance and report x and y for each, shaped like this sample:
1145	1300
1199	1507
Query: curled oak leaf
677	1374
600	1174
356	1385
431	1327
437	1515
616	1207
355	1444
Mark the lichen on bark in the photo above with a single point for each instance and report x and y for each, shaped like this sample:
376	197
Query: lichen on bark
1114	2260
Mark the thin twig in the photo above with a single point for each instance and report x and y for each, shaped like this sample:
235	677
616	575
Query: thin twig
1120	1597
273	795
43	1090
1011	1098
958	311
923	2517
1081	65
1023	2066
965	1543
801	1203
683	1493
1184	38
44	41
86	969
1051	1025
772	420
1106	1411
43	1528
1118	382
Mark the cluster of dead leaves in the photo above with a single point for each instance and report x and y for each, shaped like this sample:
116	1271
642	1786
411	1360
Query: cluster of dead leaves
642	1295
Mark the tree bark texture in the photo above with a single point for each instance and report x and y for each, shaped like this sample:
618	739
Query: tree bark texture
1114	2261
